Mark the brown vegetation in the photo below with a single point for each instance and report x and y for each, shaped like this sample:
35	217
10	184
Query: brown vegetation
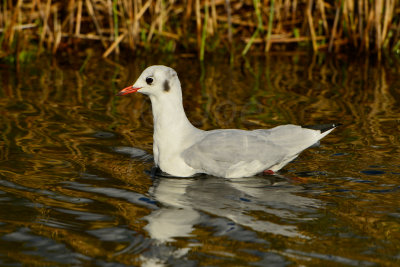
201	25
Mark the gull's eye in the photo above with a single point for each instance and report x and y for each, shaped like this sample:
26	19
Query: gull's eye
149	80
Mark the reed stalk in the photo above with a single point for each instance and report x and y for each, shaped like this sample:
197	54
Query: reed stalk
115	22
204	33
259	28
270	24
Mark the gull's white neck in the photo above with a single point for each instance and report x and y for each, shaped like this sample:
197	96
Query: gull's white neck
173	132
169	116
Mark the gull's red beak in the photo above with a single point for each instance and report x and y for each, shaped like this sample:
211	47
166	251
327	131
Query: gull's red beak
128	90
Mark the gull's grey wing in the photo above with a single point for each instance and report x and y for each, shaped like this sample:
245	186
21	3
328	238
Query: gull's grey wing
234	153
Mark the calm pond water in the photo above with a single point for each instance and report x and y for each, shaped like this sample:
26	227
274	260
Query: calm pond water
75	160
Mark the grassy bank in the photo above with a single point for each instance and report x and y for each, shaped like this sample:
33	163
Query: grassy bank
201	26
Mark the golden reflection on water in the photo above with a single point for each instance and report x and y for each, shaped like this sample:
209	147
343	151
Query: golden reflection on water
67	176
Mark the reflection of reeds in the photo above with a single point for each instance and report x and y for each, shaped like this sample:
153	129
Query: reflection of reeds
47	144
164	25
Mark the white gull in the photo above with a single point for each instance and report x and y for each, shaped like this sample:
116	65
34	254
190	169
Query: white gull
182	150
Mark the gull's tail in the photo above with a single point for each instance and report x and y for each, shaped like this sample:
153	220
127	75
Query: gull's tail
323	127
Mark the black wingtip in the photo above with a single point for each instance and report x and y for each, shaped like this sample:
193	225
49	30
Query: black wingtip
323	127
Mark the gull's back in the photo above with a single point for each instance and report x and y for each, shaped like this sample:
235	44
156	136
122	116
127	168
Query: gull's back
238	153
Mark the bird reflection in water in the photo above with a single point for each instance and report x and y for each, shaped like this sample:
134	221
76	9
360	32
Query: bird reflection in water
231	206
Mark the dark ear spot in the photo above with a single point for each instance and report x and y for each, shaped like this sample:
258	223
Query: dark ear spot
166	86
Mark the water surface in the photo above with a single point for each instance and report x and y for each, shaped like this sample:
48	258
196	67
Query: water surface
75	162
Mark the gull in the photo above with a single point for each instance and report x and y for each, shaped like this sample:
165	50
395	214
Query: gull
182	150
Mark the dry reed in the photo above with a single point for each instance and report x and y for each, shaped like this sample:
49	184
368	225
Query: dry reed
201	25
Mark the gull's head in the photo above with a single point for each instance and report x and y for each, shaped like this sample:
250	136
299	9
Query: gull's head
155	81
